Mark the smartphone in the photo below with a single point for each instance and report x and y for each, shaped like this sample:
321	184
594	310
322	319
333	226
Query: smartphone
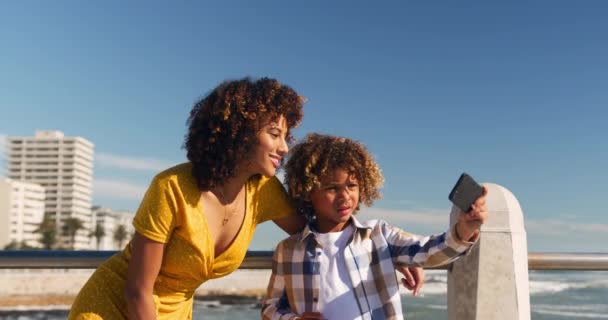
465	192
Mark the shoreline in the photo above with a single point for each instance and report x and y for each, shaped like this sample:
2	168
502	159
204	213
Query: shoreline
49	303
24	303
30	290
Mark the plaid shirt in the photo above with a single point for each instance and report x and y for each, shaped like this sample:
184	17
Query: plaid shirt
371	256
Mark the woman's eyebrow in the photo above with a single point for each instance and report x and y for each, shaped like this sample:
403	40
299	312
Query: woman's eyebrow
272	125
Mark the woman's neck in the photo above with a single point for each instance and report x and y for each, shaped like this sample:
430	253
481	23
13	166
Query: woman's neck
233	185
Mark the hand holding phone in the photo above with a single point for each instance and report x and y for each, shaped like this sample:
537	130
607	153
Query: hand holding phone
465	192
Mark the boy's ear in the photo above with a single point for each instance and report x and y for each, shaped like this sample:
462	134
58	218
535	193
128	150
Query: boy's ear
306	196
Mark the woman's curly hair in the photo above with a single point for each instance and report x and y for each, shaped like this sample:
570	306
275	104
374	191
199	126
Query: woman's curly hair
318	155
222	126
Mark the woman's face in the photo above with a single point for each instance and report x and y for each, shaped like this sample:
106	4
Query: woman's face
272	146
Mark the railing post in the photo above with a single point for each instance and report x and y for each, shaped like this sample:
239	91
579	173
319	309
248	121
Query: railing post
492	281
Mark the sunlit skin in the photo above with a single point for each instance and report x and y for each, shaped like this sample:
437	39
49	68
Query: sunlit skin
335	200
146	258
271	148
469	223
264	159
337	197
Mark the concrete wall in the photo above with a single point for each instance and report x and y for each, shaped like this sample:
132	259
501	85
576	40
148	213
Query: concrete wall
492	281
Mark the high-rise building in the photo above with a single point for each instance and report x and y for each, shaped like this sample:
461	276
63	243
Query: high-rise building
21	212
109	221
64	167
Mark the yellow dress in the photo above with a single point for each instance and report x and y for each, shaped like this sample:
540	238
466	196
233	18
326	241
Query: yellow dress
171	212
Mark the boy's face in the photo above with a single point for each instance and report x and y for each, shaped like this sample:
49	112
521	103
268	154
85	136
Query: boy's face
335	200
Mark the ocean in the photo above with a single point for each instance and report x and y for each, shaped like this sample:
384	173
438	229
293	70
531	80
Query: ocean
558	295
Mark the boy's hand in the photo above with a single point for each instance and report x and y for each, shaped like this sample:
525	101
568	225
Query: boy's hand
311	316
414	278
469	223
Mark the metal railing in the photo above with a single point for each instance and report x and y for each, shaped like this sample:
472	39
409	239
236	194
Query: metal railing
262	260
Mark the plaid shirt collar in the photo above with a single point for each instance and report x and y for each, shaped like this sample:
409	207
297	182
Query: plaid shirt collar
363	230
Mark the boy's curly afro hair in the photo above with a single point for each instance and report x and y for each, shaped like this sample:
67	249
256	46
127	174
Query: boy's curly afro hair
317	155
222	126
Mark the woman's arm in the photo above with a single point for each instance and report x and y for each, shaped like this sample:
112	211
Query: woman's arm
146	259
291	224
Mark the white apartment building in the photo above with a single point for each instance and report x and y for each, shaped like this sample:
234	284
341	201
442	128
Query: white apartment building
109	221
64	167
126	219
21	212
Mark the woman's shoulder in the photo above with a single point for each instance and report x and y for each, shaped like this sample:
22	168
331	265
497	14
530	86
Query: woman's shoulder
176	170
180	174
266	183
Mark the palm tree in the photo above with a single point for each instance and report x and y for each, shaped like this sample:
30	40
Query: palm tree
120	234
71	226
98	233
26	246
48	232
13	245
18	245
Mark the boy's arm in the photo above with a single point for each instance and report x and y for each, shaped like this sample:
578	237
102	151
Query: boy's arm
424	251
441	249
276	305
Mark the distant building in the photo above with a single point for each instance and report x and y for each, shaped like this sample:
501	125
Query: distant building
21	212
109	221
126	219
64	167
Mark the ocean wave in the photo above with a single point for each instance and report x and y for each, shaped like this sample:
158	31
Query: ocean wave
554	286
538	287
600	308
437	306
535	287
440	278
434	289
23	308
576	311
208	303
435	282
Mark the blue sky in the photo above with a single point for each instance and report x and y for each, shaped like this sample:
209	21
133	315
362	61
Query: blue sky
513	93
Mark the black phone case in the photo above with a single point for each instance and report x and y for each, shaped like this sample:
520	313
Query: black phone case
465	192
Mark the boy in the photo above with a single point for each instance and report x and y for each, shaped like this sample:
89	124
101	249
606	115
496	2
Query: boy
338	268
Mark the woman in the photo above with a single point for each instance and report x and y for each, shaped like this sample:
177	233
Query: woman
197	219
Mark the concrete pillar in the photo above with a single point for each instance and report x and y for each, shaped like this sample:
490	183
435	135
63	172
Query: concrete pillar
492	281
